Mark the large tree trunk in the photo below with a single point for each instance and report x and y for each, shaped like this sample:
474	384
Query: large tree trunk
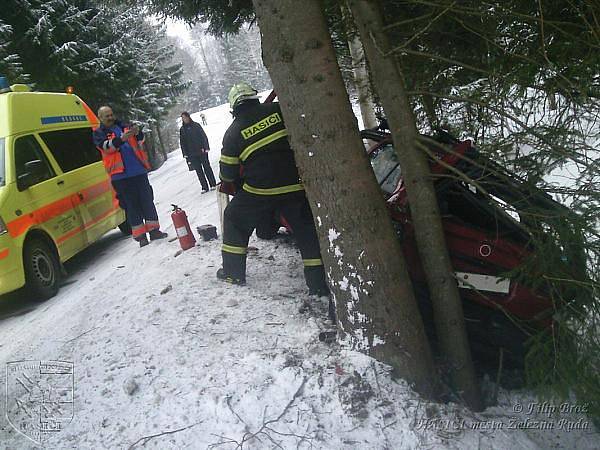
376	307
443	289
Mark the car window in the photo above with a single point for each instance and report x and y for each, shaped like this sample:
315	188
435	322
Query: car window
386	167
73	148
28	149
2	159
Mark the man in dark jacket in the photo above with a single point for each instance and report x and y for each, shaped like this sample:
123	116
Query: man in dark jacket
195	147
257	142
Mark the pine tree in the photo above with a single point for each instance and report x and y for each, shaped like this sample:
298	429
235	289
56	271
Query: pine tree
10	63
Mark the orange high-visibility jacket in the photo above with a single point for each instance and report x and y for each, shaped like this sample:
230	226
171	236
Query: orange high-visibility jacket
108	143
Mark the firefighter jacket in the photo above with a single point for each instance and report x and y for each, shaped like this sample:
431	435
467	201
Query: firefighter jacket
193	139
256	142
107	141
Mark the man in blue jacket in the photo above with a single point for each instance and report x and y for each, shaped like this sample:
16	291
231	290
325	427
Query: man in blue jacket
126	161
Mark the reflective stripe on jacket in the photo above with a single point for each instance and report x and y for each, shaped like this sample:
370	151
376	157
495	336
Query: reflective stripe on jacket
108	144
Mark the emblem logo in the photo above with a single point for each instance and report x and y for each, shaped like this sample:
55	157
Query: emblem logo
39	397
261	125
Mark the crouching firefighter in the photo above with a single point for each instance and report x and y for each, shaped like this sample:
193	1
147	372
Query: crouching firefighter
257	142
126	161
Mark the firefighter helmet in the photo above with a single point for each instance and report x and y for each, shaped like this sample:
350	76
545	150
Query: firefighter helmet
241	92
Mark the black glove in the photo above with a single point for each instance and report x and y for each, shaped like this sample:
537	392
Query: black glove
189	164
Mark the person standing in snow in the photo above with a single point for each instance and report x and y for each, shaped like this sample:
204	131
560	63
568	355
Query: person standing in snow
126	161
195	148
257	142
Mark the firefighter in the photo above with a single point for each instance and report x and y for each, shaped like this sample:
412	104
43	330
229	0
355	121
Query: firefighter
257	142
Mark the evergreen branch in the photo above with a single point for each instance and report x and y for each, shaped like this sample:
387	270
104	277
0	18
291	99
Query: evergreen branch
406	21
401	49
423	30
589	284
503	113
511	14
523	57
488	6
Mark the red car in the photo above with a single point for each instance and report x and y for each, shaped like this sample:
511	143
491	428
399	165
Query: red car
488	215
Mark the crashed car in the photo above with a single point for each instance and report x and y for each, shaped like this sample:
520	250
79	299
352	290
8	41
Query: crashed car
487	216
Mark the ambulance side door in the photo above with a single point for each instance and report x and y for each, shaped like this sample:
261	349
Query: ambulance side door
81	163
44	198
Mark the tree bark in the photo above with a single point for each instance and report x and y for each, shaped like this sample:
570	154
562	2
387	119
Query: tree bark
204	59
443	289
361	81
377	311
163	149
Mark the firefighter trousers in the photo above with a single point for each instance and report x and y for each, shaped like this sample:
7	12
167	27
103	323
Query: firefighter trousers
246	211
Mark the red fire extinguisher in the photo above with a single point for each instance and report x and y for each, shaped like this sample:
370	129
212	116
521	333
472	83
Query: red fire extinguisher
182	228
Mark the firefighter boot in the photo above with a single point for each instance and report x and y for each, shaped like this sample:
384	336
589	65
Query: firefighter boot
157	234
221	275
234	269
315	280
142	239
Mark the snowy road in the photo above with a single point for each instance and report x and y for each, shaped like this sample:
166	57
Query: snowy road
167	357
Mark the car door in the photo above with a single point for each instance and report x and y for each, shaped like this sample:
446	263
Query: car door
46	197
81	163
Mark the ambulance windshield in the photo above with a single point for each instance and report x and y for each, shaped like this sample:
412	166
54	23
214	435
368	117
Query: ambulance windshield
2	162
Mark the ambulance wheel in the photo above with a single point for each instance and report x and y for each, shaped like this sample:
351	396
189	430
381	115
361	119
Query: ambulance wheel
42	269
125	228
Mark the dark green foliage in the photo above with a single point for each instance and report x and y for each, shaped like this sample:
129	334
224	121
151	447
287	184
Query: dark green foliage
110	55
222	16
10	63
498	45
523	83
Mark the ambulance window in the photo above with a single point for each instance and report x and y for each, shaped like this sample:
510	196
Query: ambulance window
28	149
72	149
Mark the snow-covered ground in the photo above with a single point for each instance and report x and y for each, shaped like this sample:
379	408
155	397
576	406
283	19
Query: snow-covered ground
167	357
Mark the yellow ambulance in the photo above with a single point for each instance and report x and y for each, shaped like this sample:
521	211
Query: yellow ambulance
55	195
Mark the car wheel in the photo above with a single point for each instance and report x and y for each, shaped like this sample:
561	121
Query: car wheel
125	228
42	270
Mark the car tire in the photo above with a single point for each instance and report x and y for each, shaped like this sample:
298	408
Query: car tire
42	270
125	228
